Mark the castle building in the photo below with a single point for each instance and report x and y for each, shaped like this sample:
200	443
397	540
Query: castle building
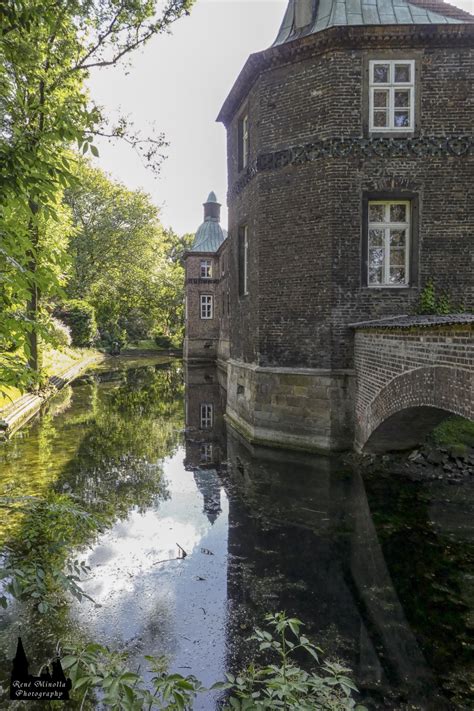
206	291
349	188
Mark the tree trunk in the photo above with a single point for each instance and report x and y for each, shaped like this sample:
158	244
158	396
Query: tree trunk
32	306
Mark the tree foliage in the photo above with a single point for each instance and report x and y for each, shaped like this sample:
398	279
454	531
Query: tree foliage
124	262
47	49
80	317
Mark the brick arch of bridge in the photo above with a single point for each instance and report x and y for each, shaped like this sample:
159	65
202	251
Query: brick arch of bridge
411	404
411	372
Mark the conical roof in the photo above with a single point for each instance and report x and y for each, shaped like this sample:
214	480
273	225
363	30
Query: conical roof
306	17
210	235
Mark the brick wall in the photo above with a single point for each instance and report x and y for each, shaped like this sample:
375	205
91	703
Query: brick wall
305	221
207	338
401	369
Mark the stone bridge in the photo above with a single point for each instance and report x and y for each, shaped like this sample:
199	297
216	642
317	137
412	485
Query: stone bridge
411	373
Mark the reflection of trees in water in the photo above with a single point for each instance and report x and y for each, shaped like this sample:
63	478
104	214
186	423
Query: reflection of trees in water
131	428
302	538
428	569
106	451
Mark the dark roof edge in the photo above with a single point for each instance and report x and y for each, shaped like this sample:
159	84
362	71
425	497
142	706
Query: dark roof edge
354	36
200	254
421	321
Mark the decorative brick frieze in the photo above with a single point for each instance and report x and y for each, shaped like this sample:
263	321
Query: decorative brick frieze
337	147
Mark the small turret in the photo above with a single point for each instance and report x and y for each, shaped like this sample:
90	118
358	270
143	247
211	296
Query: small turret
209	235
212	208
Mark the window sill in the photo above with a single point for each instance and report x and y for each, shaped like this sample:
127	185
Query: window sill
409	133
388	287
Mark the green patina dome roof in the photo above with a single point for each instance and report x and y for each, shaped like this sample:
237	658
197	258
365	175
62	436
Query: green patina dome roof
306	17
210	235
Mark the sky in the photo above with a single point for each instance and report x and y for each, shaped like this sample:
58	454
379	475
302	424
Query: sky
177	84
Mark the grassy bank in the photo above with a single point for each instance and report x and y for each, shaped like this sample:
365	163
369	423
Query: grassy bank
55	362
454	431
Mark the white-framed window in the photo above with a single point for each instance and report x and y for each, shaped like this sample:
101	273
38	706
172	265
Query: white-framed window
244	259
206	306
388	243
245	141
206	416
392	95
243	130
206	268
206	452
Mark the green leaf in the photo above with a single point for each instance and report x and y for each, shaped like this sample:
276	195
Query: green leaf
68	661
129	677
83	681
94	151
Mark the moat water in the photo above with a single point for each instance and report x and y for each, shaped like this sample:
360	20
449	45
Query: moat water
379	569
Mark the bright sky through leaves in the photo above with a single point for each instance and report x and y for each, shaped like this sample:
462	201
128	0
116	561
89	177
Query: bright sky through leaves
179	82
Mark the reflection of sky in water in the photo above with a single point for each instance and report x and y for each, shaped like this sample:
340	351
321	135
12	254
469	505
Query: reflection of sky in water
175	607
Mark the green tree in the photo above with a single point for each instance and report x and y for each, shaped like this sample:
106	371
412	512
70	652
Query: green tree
47	49
123	262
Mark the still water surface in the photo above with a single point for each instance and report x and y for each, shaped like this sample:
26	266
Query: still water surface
379	570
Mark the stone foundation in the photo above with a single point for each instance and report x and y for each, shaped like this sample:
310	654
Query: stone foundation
200	349
297	408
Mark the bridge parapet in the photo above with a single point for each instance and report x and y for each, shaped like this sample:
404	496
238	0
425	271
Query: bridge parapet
411	372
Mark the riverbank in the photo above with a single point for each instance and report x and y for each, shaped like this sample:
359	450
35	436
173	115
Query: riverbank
448	454
21	409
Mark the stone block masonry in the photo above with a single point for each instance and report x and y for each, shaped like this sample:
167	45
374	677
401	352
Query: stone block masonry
294	408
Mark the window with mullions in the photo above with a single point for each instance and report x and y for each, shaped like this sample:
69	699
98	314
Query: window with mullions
388	243
206	269
206	418
243	260
206	452
206	305
243	141
392	96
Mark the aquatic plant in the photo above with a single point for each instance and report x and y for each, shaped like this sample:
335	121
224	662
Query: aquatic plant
101	676
36	567
285	684
98	673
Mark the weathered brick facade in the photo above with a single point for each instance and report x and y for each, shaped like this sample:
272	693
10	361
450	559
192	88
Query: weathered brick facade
207	339
312	167
406	368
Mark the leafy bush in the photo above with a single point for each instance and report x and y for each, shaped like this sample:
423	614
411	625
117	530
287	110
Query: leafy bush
36	568
430	303
60	333
80	317
454	430
97	668
162	340
284	684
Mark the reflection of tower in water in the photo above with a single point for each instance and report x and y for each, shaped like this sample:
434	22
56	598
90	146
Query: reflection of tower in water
205	443
209	485
301	539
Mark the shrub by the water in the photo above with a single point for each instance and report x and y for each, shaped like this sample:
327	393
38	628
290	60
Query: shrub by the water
61	334
163	341
80	318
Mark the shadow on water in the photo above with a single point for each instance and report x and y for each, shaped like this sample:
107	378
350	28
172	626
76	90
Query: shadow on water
380	571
